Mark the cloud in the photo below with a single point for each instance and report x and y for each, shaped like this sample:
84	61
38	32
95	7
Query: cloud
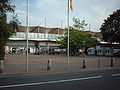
93	12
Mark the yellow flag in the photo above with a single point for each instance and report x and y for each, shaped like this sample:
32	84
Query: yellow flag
71	6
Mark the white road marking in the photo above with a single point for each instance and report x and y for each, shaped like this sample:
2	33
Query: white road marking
51	82
118	74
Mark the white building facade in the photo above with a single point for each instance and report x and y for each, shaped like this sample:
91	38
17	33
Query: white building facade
41	38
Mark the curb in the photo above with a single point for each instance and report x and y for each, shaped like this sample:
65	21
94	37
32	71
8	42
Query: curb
58	71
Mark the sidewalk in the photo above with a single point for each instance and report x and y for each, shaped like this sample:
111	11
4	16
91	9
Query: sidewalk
38	63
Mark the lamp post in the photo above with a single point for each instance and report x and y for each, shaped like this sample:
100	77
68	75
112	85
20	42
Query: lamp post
68	17
27	24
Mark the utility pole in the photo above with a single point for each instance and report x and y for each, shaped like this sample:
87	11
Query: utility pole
45	22
89	28
38	32
61	23
45	28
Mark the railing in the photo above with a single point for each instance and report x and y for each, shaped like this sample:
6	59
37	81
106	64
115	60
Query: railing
36	35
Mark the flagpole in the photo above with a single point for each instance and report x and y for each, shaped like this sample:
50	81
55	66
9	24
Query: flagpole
27	23
68	36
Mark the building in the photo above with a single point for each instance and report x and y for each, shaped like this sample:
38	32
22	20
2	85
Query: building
104	49
40	39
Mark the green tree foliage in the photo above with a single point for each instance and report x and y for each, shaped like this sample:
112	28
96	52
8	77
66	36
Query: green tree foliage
110	29
6	29
5	7
14	22
77	39
78	25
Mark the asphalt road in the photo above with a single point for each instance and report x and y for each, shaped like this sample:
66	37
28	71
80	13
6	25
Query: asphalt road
86	80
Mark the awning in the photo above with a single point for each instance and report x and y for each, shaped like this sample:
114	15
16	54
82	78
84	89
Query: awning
36	29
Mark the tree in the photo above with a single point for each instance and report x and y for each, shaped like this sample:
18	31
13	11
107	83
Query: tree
78	39
110	29
6	29
14	22
78	25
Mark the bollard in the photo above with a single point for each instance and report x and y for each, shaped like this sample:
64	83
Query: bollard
1	66
49	65
112	62
98	63
84	66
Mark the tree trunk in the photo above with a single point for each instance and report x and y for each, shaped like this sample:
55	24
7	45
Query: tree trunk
2	50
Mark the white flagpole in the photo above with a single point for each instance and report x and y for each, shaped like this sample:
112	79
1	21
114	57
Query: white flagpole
27	23
68	35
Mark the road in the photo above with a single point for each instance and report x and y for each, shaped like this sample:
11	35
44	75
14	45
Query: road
85	80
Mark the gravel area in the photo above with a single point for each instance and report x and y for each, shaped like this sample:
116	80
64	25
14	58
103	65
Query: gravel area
17	63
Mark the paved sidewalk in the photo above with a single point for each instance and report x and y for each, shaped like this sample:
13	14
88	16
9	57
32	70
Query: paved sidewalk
37	63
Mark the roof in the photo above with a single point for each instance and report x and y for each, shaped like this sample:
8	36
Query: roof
39	29
109	45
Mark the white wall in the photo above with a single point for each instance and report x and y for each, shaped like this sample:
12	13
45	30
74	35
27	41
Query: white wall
91	51
108	51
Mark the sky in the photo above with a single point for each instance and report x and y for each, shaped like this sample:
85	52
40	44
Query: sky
94	12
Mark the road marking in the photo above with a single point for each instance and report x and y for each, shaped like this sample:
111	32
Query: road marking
118	74
51	82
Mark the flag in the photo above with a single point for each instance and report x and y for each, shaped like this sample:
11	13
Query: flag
71	6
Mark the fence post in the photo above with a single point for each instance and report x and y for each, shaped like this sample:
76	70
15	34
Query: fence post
98	63
112	62
84	65
49	65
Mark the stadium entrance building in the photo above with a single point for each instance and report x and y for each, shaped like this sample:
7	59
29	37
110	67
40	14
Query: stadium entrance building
40	39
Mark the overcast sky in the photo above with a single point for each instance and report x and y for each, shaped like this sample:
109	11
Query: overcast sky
92	11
